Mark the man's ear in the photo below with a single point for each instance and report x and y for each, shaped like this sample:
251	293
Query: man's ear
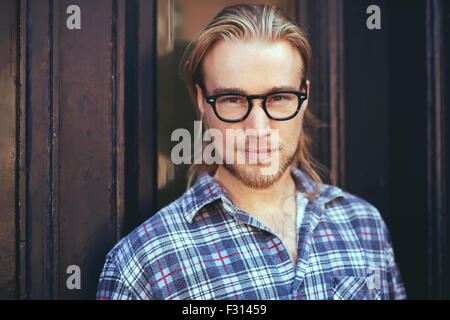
200	99
305	103
308	85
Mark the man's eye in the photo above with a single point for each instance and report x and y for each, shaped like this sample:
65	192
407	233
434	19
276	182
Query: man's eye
277	98
233	100
282	98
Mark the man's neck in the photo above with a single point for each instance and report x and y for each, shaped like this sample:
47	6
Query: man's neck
258	202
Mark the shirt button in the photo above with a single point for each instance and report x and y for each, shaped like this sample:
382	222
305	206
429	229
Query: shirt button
334	282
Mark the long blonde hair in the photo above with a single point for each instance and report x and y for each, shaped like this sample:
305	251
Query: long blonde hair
250	22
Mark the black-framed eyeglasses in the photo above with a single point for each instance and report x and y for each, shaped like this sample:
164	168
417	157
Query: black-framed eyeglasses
235	107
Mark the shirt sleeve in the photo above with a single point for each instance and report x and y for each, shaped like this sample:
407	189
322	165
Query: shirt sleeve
395	284
111	285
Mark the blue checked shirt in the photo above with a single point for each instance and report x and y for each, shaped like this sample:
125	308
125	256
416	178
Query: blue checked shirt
202	246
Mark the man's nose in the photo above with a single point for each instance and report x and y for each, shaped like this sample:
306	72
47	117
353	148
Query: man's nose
257	119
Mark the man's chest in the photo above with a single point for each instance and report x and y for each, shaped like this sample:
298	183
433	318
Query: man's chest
242	262
286	231
283	225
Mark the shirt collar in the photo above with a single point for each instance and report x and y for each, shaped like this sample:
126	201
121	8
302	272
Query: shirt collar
305	184
207	190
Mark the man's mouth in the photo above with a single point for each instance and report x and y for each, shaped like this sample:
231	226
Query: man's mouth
253	156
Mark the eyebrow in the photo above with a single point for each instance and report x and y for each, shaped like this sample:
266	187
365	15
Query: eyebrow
220	90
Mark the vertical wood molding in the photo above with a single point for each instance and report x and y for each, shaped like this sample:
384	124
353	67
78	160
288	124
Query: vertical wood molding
8	154
21	150
438	246
337	90
147	108
38	152
55	131
119	119
323	21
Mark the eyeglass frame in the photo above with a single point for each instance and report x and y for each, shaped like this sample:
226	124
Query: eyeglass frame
302	97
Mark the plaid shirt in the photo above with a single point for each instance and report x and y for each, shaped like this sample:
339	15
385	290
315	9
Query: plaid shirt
202	246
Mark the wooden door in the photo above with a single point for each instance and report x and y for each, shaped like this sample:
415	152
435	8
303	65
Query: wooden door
63	139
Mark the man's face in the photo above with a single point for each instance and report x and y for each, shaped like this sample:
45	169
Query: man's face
253	68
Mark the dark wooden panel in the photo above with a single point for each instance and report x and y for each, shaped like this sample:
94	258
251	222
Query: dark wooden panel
313	19
119	148
140	116
131	118
367	104
407	143
322	22
438	279
39	220
71	150
8	43
337	99
21	151
147	122
86	143
446	44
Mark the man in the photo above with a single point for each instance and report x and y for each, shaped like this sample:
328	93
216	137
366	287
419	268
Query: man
242	231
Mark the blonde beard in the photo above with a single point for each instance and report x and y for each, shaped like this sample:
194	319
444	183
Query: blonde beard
255	180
